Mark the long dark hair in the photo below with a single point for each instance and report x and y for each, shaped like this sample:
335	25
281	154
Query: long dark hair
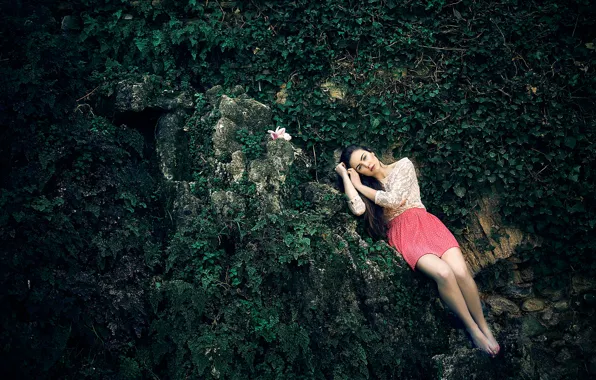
375	221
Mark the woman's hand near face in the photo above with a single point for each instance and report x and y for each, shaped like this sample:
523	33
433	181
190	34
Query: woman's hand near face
354	177
341	169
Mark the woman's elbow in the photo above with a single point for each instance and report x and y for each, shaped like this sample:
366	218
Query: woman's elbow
359	212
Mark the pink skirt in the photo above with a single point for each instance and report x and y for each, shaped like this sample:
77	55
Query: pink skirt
416	232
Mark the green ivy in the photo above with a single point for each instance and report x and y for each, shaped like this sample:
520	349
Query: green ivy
490	99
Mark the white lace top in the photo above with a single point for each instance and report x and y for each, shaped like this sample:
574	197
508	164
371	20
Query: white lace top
401	183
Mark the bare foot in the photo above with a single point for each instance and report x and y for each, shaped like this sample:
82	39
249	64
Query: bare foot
481	341
494	346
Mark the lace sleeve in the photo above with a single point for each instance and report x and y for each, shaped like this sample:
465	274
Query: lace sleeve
398	185
357	206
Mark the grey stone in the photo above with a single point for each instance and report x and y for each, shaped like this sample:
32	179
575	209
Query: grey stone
533	304
460	363
527	275
561	305
237	90
558	343
501	305
231	110
228	203
186	206
580	284
257	116
282	150
246	112
224	137
551	293
170	100
172	146
213	95
547	315
541	338
518	291
563	356
376	301
323	197
132	96
237	166
531	326
262	173
270	173
270	203
553	318
141	94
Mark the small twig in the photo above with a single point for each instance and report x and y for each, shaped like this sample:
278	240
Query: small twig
504	92
445	118
576	19
440	48
452	4
541	170
88	94
315	154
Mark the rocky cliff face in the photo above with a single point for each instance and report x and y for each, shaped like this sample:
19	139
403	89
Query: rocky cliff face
544	328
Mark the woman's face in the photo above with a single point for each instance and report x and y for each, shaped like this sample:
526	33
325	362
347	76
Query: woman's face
365	163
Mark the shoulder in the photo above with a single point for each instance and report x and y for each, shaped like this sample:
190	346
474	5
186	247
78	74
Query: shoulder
399	162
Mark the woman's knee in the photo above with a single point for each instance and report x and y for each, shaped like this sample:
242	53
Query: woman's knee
461	273
444	274
435	268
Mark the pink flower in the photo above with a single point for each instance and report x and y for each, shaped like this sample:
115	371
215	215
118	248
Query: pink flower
279	133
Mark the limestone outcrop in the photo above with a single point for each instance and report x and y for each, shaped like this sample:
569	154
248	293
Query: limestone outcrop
486	224
534	321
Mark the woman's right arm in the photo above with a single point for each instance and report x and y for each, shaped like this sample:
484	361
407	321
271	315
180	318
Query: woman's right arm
355	203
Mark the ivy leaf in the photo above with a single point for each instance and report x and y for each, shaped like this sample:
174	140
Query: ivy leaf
375	122
141	44
157	37
460	191
570	141
457	14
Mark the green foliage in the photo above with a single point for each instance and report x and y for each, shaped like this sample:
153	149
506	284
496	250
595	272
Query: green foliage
253	145
488	98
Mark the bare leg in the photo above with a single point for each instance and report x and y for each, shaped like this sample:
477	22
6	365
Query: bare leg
454	258
450	292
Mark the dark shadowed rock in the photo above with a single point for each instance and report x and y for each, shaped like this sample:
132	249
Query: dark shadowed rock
518	291
139	95
213	95
531	326
172	145
227	203
324	198
487	225
580	284
533	304
186	206
501	305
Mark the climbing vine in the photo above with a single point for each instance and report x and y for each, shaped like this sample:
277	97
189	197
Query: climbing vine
489	98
